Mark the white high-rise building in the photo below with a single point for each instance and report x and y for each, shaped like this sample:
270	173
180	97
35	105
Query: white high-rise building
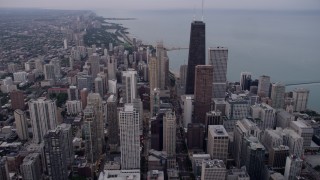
300	97
277	95
244	77
187	107
218	141
213	169
65	44
74	107
138	106
264	116
57	67
293	167
293	140
21	124
169	138
304	130
218	58
129	137
49	72
129	79
43	115
264	86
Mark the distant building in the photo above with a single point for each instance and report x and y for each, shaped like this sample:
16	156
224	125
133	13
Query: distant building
187	109
31	167
133	174
213	169
17	100
238	174
264	116
277	158
277	95
4	172
304	130
264	86
83	97
195	142
73	107
293	167
112	119
218	142
73	93
169	136
197	53
129	79
197	163
218	58
300	98
183	74
21	124
283	119
245	80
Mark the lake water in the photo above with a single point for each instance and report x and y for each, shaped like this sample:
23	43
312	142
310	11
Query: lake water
282	44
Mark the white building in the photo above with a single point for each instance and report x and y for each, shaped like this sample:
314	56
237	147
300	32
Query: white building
129	79
74	107
49	72
293	140
129	137
21	124
218	142
213	169
20	77
43	115
57	67
284	119
112	86
187	108
169	133
300	97
293	168
264	86
264	116
278	91
304	130
237	107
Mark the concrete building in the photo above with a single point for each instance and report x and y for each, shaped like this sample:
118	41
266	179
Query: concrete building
49	72
304	130
264	86
4	172
17	100
133	174
183	75
264	116
292	140
277	158
202	92
98	86
278	91
20	77
271	139
31	167
218	142
85	81
74	107
94	61
187	109
213	169
245	79
153	73
21	124
283	119
129	79
197	163
213	118
218	58
112	119
300	97
43	115
169	136
56	67
83	97
129	137
73	93
112	67
154	101
197	52
162	65
238	174
237	107
244	128
293	167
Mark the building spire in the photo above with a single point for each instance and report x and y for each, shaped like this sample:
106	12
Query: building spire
202	10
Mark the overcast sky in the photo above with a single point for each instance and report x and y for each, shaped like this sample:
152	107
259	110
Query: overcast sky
164	4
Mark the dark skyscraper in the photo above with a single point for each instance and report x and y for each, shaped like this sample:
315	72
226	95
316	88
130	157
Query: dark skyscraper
197	52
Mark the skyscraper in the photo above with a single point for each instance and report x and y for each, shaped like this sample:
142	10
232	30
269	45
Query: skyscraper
98	86
264	86
218	140
112	67
83	97
4	172
277	95
17	100
197	52
213	169
169	137
73	93
293	167
43	115
300	97
112	119
245	78
202	92
129	79
31	167
49	72
153	74
264	115
129	137
95	62
218	58
162	65
183	74
57	67
21	124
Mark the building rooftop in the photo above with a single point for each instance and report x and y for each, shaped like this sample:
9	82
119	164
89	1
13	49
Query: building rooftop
120	175
217	130
215	163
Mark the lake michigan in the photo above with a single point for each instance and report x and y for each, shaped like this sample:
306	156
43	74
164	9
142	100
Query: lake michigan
282	44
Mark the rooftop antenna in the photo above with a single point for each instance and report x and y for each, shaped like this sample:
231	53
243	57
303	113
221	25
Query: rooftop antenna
202	10
194	13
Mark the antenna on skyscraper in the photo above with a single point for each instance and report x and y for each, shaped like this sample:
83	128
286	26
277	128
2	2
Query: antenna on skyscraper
194	13
202	10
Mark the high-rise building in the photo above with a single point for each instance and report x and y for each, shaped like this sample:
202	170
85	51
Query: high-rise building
195	142
112	67
98	86
304	130
197	52
264	86
300	98
277	158
104	77
213	169
74	107
162	65
264	116
73	93
57	67
213	118
154	101
218	141
218	58
12	67
83	97
17	100
253	156
55	155
66	132
49	72
153	73
71	62
187	109
169	137
95	62
293	167
284	119
113	124
244	128
85	81
138	106
278	91
245	79
31	167
237	108
293	140
21	124
4	172
129	137
202	92
129	79
43	115
183	74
